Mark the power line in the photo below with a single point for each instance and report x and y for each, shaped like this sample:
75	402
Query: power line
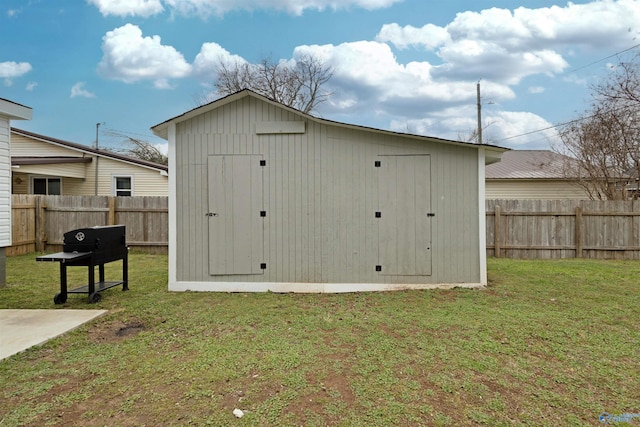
560	124
582	118
604	59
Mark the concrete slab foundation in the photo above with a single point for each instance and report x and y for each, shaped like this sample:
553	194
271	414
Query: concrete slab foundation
21	329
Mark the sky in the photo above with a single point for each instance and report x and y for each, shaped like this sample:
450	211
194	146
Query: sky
402	65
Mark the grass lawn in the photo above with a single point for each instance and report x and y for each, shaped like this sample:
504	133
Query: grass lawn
548	343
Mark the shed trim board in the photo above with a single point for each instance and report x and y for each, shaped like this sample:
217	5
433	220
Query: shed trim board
482	218
320	193
312	288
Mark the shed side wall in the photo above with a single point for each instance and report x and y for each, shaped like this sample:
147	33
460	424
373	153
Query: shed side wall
320	191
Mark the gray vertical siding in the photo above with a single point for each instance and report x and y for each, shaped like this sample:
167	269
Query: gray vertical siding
320	193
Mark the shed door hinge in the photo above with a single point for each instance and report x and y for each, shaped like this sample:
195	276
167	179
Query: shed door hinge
263	266
431	214
263	213
263	163
378	214
377	163
378	268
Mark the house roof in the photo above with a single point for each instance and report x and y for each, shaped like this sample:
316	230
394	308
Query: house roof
529	164
20	161
162	129
81	148
15	111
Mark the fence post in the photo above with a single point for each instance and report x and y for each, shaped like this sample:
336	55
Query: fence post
579	232
111	220
496	233
39	224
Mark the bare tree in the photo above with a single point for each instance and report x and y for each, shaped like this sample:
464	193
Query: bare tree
297	84
605	141
139	148
145	150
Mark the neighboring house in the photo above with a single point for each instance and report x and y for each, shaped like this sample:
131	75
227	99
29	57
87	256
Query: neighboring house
263	197
532	174
8	111
45	165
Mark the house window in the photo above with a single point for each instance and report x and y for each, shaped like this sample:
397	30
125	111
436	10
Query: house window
47	186
122	186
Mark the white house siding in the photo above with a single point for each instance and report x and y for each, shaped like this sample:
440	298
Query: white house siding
20	183
320	192
22	146
146	181
71	170
5	182
534	189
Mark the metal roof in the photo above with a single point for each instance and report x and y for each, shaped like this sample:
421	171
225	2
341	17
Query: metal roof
530	164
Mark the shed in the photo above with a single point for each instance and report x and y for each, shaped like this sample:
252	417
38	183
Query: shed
9	110
263	197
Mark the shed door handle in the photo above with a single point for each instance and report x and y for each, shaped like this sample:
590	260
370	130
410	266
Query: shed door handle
211	214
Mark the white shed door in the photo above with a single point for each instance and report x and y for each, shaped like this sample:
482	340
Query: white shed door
235	221
405	216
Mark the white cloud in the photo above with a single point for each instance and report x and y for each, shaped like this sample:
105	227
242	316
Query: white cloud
10	70
130	57
504	128
144	8
516	129
78	90
31	86
368	75
206	8
210	56
506	46
429	36
536	89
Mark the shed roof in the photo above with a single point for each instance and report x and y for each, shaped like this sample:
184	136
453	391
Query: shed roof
529	164
162	129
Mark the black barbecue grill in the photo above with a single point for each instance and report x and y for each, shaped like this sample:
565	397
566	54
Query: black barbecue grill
91	247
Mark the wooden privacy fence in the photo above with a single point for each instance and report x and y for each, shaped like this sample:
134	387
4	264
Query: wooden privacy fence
39	222
563	229
515	228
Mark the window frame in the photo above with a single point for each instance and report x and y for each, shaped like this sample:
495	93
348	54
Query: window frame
115	189
32	184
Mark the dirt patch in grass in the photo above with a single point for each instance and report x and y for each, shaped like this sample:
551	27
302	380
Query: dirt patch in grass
332	397
115	331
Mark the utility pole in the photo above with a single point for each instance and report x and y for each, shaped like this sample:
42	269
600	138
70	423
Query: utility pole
97	157
479	115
